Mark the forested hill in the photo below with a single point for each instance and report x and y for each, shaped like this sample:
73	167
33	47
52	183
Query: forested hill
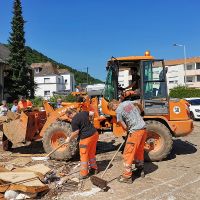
34	56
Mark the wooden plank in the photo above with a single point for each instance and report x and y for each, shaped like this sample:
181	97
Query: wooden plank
21	181
28	155
3	169
2	197
15	130
12	177
29	188
40	168
20	161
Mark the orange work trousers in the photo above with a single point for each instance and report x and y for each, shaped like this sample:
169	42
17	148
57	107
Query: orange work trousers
87	148
134	150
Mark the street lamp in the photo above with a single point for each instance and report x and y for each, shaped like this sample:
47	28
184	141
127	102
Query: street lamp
184	51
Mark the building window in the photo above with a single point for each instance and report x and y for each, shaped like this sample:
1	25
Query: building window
38	70
47	93
189	79
175	81
189	67
198	78
46	80
197	65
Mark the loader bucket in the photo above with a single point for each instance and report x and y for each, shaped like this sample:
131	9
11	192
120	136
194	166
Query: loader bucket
15	130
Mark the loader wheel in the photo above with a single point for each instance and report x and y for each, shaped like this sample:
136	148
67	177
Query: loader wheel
159	141
56	135
7	144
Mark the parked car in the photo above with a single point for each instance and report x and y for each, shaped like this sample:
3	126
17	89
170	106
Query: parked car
194	107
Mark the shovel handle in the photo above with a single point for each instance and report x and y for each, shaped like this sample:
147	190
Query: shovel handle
112	159
56	149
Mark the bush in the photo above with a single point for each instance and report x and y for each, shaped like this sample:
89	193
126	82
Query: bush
184	92
37	101
68	98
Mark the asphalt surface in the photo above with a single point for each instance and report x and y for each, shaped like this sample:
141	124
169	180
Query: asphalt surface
178	177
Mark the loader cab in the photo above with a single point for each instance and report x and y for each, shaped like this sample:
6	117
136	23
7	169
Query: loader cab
152	84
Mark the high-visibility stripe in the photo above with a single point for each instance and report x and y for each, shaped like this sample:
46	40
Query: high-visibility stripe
83	163
92	165
92	159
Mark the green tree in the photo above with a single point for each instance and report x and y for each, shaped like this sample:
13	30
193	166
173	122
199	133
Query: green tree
20	77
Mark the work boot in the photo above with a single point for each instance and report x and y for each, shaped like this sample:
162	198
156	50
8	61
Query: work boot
93	171
139	172
122	179
83	177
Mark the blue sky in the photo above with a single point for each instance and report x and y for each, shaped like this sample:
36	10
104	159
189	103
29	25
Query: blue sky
86	33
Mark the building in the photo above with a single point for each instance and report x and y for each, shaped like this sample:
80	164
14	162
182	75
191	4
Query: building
4	55
177	75
51	80
124	79
68	78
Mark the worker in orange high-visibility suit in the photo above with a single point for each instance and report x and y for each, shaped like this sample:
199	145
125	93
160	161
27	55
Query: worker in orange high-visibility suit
128	115
87	137
24	103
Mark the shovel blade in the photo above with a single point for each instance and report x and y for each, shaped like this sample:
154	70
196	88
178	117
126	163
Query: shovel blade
99	182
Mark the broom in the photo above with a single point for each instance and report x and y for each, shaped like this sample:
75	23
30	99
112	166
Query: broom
99	181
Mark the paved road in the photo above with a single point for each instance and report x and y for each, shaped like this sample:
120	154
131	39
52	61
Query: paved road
177	178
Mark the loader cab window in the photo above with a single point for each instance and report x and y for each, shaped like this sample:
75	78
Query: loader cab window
154	80
110	90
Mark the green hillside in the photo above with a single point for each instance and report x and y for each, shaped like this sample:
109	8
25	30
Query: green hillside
34	56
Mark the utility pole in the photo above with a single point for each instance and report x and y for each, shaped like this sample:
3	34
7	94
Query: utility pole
87	75
185	60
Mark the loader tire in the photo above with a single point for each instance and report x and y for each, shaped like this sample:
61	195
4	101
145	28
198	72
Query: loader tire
159	141
56	135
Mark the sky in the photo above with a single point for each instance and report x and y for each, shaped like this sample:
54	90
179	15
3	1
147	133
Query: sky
86	33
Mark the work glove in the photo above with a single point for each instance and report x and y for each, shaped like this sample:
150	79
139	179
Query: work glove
67	139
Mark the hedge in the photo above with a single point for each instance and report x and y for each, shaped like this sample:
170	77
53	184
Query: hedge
38	101
184	92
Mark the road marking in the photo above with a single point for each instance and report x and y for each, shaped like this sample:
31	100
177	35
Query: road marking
177	188
165	183
155	186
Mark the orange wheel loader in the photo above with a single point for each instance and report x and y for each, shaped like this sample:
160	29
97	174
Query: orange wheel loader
165	118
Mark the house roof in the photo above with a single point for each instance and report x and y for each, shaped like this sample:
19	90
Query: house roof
48	68
4	53
45	69
182	61
63	71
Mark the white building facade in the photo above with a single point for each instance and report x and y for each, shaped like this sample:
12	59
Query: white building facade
124	78
178	75
51	80
69	81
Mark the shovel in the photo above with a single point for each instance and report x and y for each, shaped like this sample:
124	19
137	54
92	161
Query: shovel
99	181
45	158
